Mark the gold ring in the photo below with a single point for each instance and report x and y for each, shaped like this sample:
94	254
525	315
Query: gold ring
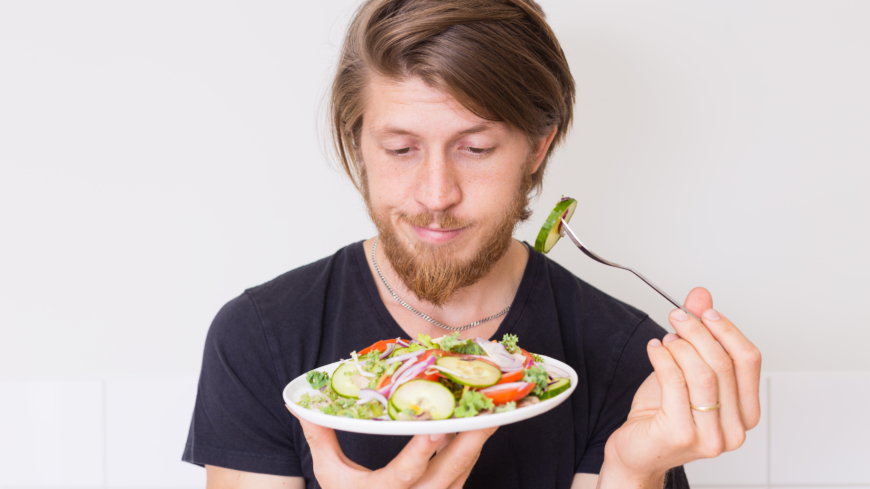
704	408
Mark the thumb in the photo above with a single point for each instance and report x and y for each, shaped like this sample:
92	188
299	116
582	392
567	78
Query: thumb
410	464
698	301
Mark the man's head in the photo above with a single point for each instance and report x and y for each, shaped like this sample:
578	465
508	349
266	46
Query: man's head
443	114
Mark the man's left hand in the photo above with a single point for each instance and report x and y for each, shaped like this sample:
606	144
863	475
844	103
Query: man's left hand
706	364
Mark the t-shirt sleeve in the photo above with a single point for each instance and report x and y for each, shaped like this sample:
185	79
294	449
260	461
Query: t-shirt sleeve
632	368
239	420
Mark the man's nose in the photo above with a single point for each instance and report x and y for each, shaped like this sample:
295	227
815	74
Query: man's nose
437	187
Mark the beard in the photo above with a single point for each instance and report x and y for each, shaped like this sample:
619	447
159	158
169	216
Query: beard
432	273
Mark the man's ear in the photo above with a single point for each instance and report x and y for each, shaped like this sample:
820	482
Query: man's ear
541	149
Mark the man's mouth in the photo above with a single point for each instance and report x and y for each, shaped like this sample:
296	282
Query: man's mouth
436	236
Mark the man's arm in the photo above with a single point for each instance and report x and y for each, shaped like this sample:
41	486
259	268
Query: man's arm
699	402
221	478
585	481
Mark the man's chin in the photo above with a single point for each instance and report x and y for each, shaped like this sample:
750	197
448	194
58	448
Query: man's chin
435	273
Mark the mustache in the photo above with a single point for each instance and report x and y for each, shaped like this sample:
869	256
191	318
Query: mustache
445	220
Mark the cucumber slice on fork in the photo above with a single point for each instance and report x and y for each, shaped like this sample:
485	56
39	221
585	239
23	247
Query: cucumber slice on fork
550	231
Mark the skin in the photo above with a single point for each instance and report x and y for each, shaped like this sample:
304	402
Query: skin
421	152
438	169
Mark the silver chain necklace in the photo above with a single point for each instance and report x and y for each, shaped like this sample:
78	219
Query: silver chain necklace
424	316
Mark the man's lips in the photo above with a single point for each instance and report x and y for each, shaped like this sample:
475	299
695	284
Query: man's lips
436	236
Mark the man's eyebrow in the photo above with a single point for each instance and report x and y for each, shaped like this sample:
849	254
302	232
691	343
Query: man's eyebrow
398	131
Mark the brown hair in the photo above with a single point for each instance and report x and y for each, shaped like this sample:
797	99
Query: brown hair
498	58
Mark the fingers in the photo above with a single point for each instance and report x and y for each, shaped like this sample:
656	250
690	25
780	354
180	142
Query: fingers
453	465
675	393
411	463
747	363
717	358
322	441
459	483
329	460
698	300
703	388
444	442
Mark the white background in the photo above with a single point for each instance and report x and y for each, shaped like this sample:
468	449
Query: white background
157	158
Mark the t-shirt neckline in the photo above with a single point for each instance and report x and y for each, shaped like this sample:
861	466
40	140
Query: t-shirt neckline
392	328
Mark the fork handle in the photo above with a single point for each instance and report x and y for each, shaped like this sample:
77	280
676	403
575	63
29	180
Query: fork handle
663	294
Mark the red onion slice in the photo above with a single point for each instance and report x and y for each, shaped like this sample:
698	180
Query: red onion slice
405	366
554	371
401	342
385	390
499	355
409	374
406	356
416	370
366	395
509	385
386	353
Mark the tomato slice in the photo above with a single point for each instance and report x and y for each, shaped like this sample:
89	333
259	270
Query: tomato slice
511	377
433	352
529	358
433	377
381	346
505	396
388	379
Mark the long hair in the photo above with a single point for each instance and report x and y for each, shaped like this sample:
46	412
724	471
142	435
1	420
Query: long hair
498	58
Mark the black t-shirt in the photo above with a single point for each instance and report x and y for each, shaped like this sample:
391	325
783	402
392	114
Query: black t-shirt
319	313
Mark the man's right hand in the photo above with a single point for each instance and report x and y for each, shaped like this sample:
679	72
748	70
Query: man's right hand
413	467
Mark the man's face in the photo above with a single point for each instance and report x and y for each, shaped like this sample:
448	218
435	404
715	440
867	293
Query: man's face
444	187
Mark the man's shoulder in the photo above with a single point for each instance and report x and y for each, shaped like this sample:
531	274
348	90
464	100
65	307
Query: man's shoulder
306	281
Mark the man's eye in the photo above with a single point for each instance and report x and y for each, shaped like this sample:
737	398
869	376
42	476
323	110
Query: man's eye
399	152
478	151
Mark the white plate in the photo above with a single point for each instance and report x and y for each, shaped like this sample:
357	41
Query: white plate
299	386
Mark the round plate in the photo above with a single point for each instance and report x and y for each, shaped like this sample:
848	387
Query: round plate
299	386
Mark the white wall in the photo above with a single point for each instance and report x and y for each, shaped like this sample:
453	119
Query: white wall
158	158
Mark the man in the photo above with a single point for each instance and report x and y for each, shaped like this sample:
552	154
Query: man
444	114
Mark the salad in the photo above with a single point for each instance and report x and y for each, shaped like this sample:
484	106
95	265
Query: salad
434	379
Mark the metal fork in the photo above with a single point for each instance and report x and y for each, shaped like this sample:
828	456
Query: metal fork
567	230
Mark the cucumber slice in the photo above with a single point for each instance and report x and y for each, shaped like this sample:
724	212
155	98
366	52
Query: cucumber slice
407	349
400	351
549	234
472	373
559	387
424	395
394	414
342	383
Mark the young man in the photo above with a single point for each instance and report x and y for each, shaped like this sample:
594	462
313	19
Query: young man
444	114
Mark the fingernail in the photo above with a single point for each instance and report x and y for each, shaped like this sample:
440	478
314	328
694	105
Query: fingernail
436	436
712	315
679	315
669	338
655	342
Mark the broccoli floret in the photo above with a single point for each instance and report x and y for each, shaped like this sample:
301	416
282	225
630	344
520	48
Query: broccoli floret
539	376
472	402
510	342
317	379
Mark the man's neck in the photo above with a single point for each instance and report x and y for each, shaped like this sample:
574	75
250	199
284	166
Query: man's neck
494	292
